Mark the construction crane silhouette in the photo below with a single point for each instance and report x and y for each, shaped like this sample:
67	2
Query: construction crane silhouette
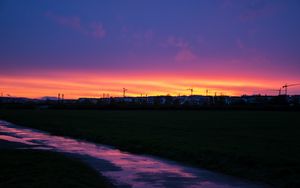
124	92
192	90
278	90
288	85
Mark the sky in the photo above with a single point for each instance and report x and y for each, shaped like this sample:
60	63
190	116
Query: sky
151	47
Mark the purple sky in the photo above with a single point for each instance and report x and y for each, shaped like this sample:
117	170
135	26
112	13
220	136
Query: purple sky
258	39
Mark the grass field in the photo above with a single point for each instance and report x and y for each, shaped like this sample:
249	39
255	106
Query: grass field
36	169
257	145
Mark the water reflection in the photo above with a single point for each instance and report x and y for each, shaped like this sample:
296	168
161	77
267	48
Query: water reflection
123	169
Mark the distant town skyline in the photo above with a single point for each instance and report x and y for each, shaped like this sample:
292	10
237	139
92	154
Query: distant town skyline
87	48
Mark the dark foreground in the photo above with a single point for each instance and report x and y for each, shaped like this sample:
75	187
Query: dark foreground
124	169
35	169
257	145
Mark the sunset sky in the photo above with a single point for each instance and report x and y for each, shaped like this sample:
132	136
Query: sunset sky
154	47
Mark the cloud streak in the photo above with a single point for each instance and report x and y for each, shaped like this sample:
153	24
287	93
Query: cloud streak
72	22
258	8
93	29
185	53
177	42
137	37
97	30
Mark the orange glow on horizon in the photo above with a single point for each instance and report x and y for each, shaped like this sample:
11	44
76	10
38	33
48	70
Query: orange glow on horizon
77	85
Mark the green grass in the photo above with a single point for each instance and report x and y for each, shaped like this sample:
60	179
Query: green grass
257	145
36	169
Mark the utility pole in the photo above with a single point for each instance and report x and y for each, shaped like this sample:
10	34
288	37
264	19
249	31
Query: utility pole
191	89
124	92
206	92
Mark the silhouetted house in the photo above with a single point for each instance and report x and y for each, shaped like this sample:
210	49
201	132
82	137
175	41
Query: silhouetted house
87	101
69	101
221	100
253	99
104	101
17	100
257	99
150	100
128	99
194	100
122	100
48	98
280	100
202	100
140	100
4	100
237	101
160	100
